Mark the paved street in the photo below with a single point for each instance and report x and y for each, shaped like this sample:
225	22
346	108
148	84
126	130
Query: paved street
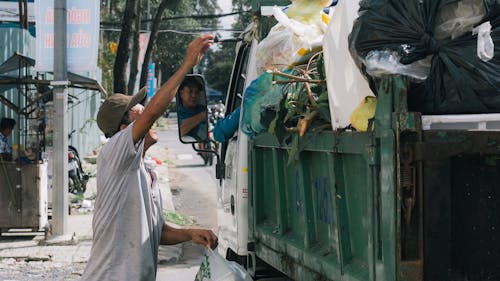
193	187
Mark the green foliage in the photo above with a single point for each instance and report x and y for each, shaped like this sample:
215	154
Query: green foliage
219	67
220	60
301	111
75	198
244	19
106	58
179	219
170	47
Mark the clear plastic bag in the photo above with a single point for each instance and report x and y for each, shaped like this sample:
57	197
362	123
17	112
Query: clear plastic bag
289	42
485	45
458	18
380	63
216	268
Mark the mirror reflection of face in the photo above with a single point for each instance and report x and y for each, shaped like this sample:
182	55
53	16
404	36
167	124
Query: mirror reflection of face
189	96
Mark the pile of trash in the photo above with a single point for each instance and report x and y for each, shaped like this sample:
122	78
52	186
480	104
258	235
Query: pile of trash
289	97
448	50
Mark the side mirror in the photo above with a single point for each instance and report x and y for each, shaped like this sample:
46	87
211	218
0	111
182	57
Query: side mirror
192	109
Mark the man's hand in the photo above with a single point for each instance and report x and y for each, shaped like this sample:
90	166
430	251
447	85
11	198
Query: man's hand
197	48
204	237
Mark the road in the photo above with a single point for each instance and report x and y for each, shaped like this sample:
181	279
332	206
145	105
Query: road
194	190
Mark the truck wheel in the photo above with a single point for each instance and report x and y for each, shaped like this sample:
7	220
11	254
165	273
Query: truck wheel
232	256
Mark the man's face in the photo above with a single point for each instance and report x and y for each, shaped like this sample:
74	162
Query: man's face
7	132
189	96
134	113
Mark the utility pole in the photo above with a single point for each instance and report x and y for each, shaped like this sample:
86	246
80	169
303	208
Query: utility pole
60	83
23	14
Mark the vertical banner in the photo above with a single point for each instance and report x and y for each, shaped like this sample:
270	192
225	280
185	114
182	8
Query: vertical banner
150	84
143	45
82	35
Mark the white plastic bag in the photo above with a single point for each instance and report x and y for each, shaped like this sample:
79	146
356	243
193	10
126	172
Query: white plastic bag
216	268
347	87
289	42
485	45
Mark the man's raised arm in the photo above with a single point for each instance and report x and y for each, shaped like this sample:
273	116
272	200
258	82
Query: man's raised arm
166	93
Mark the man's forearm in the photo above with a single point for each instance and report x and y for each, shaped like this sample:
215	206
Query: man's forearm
171	236
189	123
166	93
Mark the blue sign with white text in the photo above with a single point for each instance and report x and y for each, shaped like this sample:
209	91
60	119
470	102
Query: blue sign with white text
150	84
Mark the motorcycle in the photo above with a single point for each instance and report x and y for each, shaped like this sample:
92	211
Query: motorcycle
77	178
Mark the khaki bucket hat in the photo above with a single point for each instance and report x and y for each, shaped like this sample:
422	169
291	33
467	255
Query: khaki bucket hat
113	108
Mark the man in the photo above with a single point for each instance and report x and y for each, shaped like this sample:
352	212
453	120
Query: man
6	127
225	128
192	114
128	225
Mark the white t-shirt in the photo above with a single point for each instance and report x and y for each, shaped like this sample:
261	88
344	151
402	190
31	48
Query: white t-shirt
128	217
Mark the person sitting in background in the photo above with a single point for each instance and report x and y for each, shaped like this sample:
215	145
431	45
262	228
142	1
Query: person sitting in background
6	127
224	128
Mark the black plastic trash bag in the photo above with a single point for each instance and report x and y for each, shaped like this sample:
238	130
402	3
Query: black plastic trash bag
433	37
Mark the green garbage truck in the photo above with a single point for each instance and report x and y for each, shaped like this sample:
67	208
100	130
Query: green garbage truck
415	197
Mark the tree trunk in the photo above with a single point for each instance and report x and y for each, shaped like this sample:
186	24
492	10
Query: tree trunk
134	61
152	40
123	52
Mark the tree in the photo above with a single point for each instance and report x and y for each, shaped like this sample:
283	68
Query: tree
165	48
170	46
134	61
123	52
220	61
152	40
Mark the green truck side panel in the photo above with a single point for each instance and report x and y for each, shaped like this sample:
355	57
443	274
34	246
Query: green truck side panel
313	212
330	215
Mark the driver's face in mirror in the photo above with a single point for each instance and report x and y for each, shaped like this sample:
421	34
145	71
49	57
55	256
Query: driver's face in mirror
192	111
189	96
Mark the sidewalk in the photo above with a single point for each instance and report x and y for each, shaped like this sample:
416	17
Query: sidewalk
22	258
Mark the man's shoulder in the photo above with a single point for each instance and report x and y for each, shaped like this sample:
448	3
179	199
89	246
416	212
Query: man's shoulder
114	143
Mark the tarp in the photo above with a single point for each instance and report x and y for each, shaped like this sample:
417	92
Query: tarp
15	62
458	80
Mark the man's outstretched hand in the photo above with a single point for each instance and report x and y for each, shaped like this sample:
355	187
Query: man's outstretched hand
204	237
197	48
